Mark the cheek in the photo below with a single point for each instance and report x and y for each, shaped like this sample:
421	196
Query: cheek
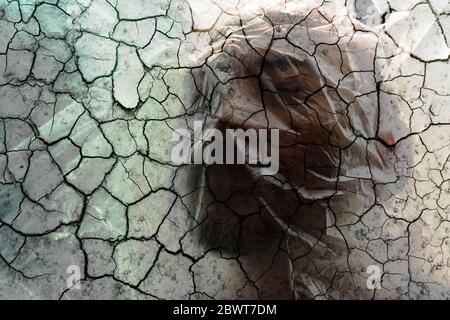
388	137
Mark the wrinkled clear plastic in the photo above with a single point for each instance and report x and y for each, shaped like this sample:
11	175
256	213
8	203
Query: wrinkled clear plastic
313	76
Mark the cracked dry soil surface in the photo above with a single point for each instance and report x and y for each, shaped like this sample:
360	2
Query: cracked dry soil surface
91	91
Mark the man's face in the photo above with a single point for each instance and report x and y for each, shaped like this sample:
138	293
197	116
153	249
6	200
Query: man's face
334	144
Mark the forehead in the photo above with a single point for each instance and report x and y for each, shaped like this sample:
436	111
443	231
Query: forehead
276	40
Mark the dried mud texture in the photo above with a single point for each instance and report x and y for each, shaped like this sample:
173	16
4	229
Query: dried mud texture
92	90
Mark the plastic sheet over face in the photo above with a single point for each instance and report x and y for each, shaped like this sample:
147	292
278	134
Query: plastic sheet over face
312	77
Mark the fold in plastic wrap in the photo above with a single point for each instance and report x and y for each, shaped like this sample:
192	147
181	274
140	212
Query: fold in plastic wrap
313	77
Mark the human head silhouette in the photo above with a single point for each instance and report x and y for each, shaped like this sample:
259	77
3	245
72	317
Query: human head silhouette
313	77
